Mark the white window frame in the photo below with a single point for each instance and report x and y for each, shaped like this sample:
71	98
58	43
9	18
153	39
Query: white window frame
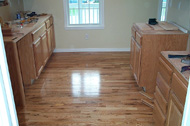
160	9
83	26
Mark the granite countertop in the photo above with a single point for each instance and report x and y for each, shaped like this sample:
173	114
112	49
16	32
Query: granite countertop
176	62
21	32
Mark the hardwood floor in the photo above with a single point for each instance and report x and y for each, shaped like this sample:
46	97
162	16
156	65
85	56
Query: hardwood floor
85	89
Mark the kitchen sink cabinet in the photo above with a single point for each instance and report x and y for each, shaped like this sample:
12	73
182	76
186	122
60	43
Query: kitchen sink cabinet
148	44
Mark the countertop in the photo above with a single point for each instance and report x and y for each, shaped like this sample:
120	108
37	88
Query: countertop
145	28
176	62
21	32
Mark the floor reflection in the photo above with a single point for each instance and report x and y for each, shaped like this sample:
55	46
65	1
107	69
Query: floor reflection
85	83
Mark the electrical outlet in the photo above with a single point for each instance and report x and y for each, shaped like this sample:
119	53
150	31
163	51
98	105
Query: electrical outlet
86	36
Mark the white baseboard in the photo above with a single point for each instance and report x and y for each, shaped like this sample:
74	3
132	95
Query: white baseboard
94	50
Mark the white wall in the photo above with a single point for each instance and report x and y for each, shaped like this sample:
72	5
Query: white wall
9	12
179	12
119	17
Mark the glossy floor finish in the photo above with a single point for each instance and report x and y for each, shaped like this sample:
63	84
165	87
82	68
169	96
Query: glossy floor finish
86	89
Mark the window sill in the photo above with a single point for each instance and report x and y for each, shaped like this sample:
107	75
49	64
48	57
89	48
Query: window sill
83	27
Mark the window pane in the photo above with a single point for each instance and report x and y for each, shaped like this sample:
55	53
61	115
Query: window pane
84	11
94	11
73	12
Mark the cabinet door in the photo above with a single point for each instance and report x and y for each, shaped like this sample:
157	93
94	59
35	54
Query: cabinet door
38	55
137	61
26	57
45	48
52	37
49	41
132	55
175	111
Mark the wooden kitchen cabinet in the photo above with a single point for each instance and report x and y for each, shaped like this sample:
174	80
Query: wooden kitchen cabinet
52	36
132	55
148	45
27	54
15	73
175	111
171	89
137	62
45	50
38	54
49	41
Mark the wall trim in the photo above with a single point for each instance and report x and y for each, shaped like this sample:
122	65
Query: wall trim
94	50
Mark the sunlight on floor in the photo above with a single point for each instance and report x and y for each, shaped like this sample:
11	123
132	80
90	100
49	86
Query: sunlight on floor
85	83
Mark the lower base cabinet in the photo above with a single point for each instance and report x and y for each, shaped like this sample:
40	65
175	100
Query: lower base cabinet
175	111
170	94
28	55
38	55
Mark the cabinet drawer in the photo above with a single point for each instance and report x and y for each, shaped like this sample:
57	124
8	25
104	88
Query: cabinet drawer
158	116
163	86
165	71
138	38
38	32
133	32
179	89
48	23
161	100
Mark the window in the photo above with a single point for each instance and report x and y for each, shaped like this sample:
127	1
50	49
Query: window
84	14
163	10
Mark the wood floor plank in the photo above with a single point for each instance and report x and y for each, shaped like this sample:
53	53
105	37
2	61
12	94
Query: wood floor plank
85	89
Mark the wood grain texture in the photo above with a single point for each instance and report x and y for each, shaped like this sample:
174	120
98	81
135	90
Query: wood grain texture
163	86
26	58
161	100
38	32
179	89
152	43
158	116
38	56
86	89
15	73
45	50
175	111
52	31
165	71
